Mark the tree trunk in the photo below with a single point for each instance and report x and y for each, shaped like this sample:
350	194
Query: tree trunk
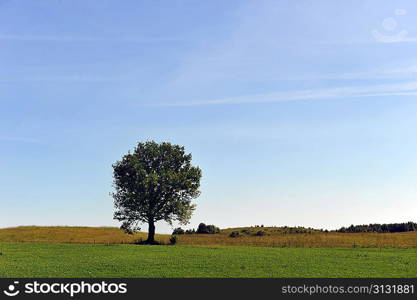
151	233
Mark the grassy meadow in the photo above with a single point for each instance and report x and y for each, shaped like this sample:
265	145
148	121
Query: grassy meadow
108	252
88	260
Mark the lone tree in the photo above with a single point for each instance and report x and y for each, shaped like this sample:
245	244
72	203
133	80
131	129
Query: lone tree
155	182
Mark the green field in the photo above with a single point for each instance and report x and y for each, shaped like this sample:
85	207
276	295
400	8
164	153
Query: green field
86	260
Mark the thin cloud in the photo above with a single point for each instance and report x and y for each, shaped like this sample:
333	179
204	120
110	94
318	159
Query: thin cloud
399	89
409	40
401	37
406	72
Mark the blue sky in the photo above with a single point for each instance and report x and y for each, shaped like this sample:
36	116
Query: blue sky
298	112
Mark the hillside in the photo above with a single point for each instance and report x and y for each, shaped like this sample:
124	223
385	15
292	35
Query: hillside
69	234
253	230
273	237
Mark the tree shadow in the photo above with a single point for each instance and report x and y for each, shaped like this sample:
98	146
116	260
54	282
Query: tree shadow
146	242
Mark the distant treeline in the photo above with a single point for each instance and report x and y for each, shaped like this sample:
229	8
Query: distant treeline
394	227
261	230
202	229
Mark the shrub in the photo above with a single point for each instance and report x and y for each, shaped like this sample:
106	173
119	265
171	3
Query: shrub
234	234
207	229
213	229
190	231
173	240
260	233
178	230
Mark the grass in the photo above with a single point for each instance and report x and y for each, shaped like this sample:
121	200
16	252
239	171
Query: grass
108	252
275	237
71	234
350	240
84	260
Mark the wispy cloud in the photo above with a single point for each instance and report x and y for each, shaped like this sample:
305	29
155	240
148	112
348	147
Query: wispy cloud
398	89
63	38
401	72
395	39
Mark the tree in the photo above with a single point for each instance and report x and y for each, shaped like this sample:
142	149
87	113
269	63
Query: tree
156	182
178	230
203	229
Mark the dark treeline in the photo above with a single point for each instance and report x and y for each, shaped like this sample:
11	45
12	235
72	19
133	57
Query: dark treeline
394	227
202	229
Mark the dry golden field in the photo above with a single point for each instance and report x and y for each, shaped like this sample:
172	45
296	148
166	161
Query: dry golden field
274	237
68	234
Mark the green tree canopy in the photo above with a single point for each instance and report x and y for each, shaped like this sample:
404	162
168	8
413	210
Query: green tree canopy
156	182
